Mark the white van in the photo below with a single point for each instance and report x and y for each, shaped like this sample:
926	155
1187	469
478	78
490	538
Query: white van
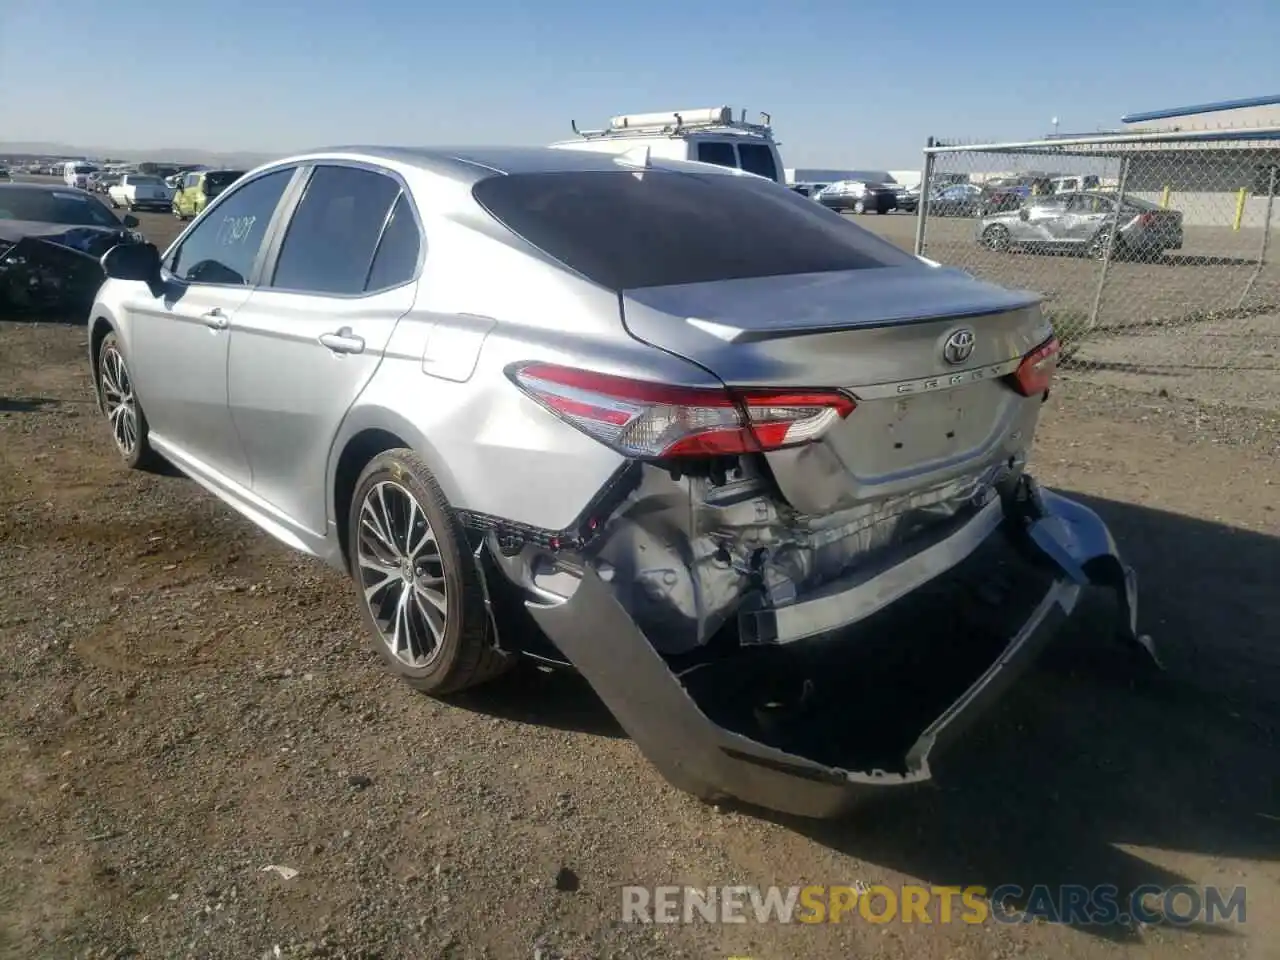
75	173
709	135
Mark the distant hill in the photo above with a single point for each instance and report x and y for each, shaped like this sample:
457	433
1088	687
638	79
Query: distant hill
212	158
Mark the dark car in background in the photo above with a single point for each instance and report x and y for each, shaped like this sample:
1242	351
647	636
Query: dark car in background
1082	222
858	196
51	239
956	200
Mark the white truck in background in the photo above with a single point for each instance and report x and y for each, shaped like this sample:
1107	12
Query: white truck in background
706	135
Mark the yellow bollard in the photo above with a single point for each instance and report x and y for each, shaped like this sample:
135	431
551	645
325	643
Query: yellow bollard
1164	198
1240	199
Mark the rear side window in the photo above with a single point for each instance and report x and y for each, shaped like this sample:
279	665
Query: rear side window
628	230
721	154
397	258
334	233
758	159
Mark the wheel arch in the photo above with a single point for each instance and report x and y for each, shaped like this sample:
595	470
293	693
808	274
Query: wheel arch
99	326
365	434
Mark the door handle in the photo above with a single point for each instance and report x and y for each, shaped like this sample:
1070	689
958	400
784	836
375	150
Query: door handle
215	319
344	341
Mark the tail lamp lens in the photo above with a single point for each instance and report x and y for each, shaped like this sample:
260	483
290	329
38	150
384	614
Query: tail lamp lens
643	419
1035	372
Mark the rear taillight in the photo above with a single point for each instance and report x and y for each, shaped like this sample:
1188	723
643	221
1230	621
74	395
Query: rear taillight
643	419
1035	372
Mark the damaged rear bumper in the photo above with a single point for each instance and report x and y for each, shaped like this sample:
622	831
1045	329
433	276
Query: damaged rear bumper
811	725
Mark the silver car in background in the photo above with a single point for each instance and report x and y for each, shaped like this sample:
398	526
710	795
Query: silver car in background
757	474
1087	222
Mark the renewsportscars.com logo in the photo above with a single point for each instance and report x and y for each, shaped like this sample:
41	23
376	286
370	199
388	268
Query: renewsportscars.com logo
1075	904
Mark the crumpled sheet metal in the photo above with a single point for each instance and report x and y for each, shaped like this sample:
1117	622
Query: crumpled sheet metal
39	276
683	556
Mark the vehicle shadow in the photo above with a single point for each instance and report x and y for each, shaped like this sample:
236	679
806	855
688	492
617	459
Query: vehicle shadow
1087	756
26	404
1180	260
558	699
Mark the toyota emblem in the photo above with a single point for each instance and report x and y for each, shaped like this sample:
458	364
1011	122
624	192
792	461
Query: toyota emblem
959	346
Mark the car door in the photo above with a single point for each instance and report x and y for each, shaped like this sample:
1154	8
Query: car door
312	334
1086	215
1039	220
178	340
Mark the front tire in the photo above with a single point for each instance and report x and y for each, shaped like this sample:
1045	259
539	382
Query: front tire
124	413
859	207
418	585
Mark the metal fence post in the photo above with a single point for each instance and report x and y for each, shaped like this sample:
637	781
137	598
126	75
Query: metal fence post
1112	227
1266	237
922	208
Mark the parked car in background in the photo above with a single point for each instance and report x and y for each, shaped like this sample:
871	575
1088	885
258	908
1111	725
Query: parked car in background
908	198
140	191
740	462
76	173
5	175
957	200
51	239
198	188
858	196
999	199
808	189
1082	222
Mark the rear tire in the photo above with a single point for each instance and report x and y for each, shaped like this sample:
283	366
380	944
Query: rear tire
1100	247
996	237
418	585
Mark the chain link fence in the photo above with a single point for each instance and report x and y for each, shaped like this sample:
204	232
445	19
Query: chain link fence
1156	254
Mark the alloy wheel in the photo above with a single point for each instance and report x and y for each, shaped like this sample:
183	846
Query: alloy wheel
402	574
118	401
996	238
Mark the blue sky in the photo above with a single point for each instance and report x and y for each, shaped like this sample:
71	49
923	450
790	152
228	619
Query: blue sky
848	84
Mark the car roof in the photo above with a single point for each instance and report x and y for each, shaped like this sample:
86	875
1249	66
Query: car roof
39	187
471	164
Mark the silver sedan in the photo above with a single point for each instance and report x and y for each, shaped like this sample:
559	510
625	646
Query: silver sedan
1090	222
756	473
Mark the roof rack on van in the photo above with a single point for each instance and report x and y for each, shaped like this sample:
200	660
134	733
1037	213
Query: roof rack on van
673	122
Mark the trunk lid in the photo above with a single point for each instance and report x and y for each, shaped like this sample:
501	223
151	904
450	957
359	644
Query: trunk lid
926	414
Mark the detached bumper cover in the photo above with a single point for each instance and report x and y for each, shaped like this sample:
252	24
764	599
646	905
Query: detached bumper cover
1066	545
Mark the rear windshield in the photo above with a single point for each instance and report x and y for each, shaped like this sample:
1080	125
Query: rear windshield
627	230
83	168
145	181
222	178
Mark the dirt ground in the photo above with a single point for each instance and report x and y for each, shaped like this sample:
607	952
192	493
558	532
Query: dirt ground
185	702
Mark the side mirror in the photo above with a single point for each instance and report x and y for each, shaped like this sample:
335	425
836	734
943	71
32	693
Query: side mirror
129	220
133	261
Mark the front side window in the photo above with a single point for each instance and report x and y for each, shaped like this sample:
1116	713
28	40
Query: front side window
223	247
721	154
331	240
626	231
